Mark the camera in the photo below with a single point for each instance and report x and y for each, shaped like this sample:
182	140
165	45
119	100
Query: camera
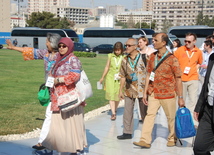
128	81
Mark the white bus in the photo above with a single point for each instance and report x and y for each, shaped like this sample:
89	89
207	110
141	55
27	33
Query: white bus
97	36
36	37
200	30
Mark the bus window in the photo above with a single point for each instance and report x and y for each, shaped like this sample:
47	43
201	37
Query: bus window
36	37
35	43
94	37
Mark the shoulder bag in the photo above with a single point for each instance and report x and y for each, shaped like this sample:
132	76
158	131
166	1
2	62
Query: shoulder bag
84	87
68	101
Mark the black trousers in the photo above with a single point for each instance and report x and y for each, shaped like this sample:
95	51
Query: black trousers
204	141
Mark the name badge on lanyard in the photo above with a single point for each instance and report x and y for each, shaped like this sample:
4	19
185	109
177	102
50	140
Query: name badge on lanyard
186	70
152	76
50	82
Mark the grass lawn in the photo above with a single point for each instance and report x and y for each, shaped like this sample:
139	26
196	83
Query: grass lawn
19	83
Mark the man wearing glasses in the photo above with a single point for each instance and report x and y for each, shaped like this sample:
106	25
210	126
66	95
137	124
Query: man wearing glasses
190	58
132	83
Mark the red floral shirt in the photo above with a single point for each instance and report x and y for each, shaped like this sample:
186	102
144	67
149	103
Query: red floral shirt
70	70
164	84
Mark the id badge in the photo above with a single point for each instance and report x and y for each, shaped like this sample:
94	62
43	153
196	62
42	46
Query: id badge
152	76
50	82
186	70
116	76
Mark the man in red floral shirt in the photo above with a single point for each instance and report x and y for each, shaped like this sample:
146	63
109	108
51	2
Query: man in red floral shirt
161	88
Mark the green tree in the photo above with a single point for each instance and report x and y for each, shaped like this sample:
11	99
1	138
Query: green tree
166	25
47	20
204	20
130	22
122	24
153	24
200	19
142	25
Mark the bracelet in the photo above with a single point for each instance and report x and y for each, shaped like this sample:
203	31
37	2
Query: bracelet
180	96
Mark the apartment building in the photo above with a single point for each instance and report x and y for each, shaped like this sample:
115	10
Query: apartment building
114	9
180	12
147	5
78	15
5	16
46	5
137	16
17	21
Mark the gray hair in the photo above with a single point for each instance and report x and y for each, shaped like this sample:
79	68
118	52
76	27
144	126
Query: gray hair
53	38
134	40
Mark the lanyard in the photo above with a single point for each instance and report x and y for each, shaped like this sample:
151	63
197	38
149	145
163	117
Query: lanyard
117	63
156	58
135	62
190	55
50	64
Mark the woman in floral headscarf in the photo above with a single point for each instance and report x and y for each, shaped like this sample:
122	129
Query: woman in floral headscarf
67	130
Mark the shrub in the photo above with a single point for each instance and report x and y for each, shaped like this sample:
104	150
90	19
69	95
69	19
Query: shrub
85	54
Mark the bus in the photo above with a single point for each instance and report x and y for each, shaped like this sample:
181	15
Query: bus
202	31
36	37
97	36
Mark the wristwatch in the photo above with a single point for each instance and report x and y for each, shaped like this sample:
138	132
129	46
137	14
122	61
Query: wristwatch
180	96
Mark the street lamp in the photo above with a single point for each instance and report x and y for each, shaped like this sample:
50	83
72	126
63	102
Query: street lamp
18	9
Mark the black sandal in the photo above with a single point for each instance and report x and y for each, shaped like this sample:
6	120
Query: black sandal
38	146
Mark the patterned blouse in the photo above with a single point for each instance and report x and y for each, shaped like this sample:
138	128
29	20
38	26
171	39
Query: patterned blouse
164	84
70	70
36	54
137	76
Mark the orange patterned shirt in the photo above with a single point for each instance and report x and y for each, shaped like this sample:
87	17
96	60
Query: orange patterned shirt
164	84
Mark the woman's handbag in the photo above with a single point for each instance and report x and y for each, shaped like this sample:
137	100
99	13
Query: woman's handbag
68	101
84	87
44	95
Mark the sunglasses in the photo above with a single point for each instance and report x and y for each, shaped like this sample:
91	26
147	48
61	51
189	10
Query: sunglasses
187	41
127	45
62	46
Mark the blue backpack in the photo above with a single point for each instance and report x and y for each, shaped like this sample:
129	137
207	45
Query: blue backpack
184	127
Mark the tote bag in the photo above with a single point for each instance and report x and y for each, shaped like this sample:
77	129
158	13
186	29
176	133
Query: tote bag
84	87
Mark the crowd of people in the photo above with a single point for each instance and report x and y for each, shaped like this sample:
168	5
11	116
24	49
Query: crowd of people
153	75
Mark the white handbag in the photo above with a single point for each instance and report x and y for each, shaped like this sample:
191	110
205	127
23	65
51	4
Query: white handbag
84	87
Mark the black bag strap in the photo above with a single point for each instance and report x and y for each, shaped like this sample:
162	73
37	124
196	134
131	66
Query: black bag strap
161	61
144	59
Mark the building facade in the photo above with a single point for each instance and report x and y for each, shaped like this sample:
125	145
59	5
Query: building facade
107	21
5	16
180	12
75	14
147	5
17	21
46	5
114	9
137	16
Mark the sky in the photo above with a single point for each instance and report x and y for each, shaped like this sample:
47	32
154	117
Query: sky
129	4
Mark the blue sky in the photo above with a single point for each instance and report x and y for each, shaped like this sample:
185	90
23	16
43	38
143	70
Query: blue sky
87	3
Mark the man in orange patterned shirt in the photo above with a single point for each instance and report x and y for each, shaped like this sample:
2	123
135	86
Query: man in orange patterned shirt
161	88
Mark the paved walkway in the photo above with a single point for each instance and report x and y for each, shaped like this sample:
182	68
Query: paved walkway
101	136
